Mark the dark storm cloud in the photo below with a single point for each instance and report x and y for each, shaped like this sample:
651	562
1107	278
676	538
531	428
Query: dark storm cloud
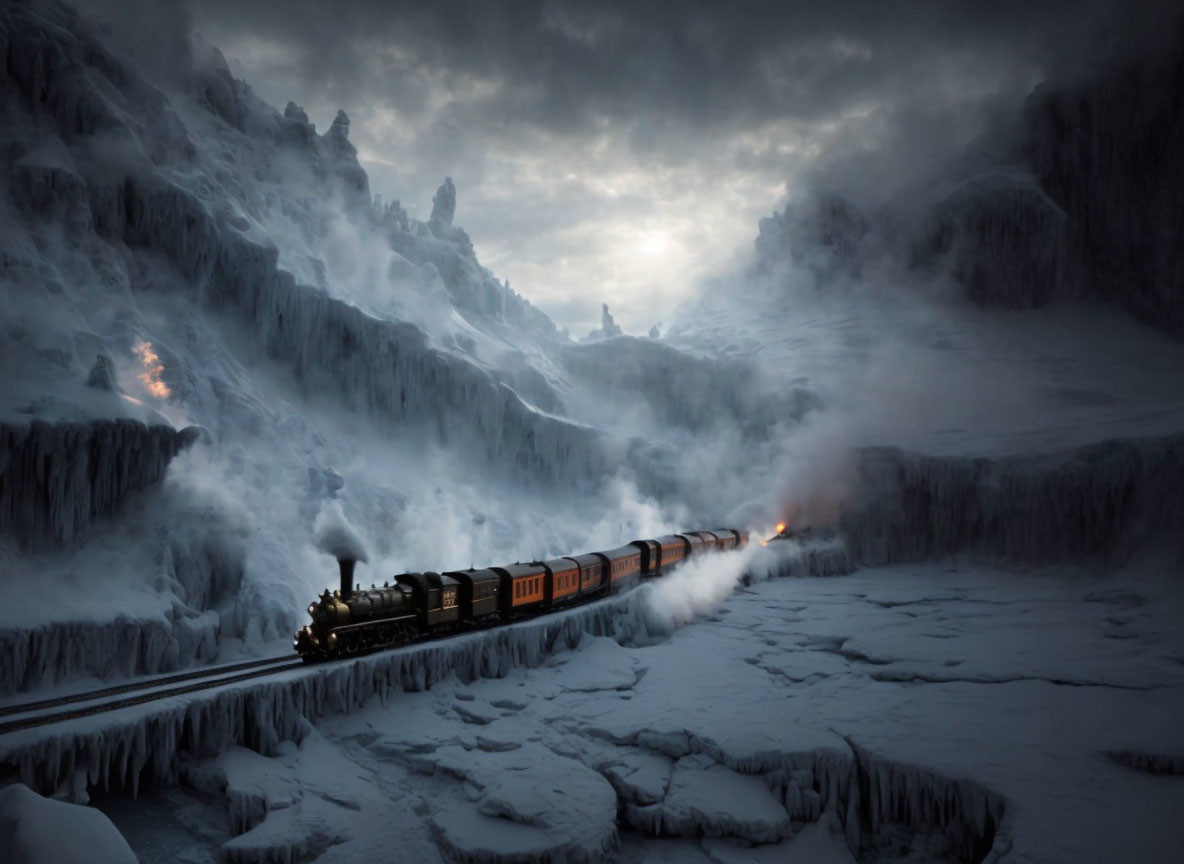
612	150
566	66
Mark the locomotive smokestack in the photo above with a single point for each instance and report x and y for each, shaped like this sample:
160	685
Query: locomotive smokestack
347	576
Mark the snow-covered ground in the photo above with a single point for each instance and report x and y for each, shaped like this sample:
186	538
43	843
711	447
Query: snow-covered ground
939	711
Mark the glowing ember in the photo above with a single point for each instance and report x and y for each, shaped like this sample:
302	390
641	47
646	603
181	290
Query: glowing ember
152	369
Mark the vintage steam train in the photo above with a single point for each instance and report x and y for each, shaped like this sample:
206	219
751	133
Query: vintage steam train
352	621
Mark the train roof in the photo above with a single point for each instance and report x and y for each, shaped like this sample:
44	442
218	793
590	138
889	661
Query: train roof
587	559
518	571
484	575
620	552
668	539
560	565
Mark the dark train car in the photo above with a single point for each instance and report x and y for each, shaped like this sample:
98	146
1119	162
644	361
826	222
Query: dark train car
695	544
624	567
672	550
593	576
524	588
563	574
478	594
741	538
435	598
650	551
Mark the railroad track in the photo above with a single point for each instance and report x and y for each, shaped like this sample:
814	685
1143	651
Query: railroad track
190	682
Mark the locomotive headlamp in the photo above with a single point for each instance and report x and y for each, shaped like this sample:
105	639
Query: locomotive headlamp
780	527
312	608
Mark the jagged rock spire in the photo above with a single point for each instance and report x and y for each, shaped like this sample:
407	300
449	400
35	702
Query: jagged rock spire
444	204
295	112
340	128
607	324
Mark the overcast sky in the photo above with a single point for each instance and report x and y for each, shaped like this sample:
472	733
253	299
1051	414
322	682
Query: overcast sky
615	151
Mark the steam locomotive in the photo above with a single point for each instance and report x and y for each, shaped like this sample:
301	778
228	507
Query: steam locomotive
352	621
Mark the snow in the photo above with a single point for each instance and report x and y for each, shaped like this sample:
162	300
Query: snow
704	798
31	831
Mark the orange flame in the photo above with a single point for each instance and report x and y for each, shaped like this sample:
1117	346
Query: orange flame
152	369
780	527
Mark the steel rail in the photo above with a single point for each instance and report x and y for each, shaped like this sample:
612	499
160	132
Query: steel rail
103	707
132	686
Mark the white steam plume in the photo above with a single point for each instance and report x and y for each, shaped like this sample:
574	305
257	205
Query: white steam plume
698	587
334	535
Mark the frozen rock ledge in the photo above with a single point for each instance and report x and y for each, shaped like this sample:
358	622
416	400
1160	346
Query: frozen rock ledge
57	478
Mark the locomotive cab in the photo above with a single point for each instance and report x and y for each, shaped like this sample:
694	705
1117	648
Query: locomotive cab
436	598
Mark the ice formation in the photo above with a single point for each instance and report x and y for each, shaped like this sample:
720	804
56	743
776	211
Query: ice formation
1004	238
56	479
1099	502
1105	147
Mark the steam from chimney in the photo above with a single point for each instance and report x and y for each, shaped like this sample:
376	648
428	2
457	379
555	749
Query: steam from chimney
334	535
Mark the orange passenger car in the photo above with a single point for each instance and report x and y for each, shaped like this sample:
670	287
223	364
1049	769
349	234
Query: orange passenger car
563	575
523	589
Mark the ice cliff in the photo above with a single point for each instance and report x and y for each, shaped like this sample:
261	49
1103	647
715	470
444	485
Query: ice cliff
1075	196
56	479
1105	147
1100	502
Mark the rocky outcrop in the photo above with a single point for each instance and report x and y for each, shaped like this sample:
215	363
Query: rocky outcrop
1107	151
1002	238
823	235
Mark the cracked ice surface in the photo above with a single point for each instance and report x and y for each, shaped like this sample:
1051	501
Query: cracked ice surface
945	710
